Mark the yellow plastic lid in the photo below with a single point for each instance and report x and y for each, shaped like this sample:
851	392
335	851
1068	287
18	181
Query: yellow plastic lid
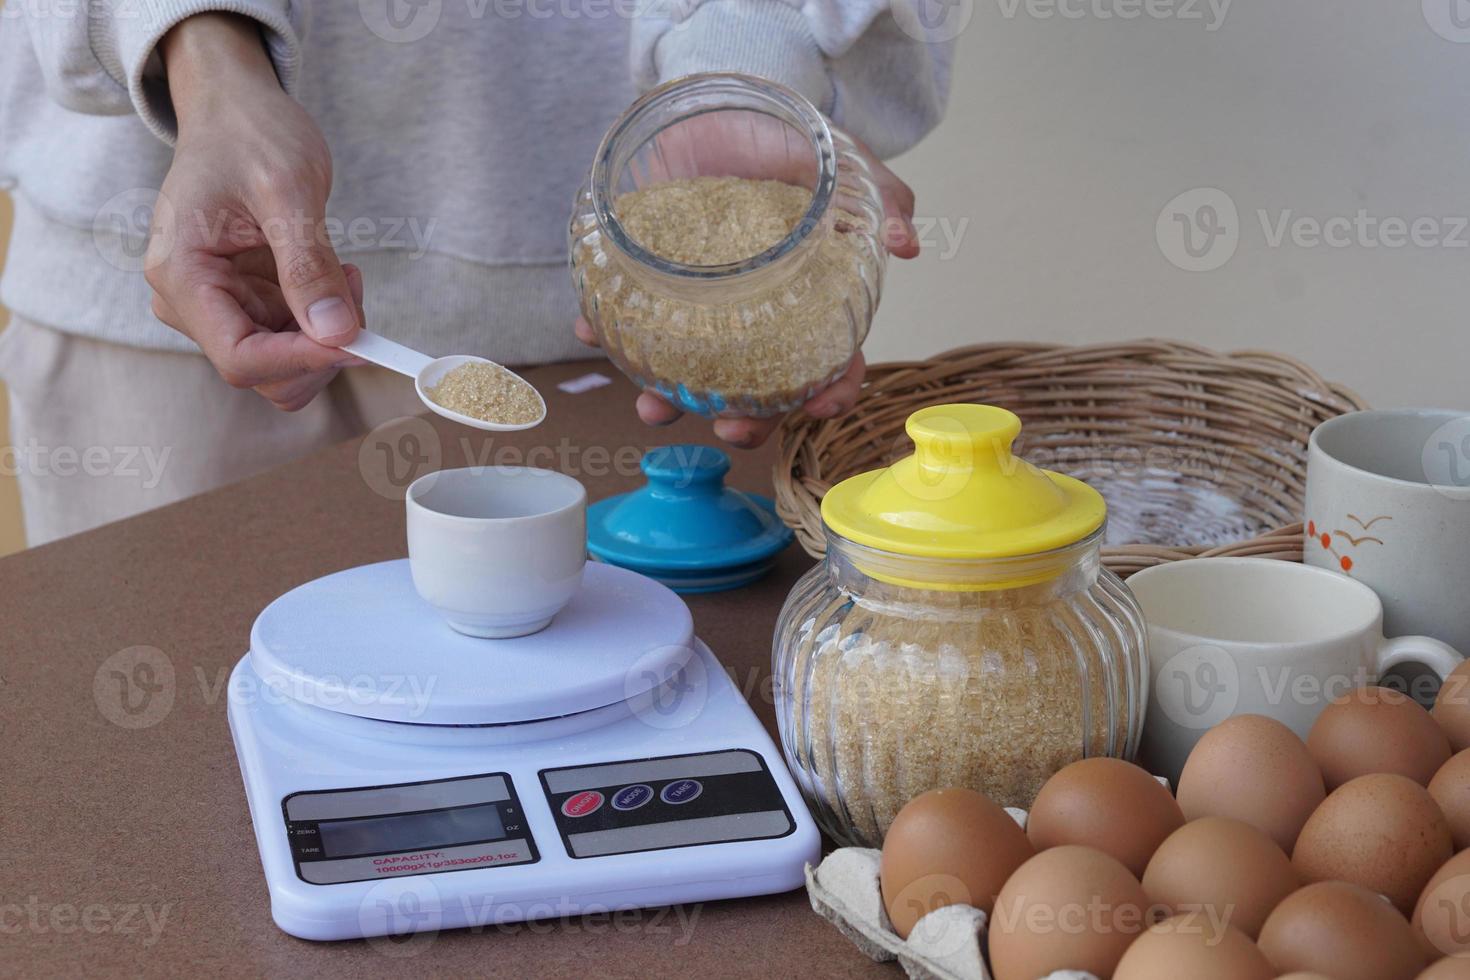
962	494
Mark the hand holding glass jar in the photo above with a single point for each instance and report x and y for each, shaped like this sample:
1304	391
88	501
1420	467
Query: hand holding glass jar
693	172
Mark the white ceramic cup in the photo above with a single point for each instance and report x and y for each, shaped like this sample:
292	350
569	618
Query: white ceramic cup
498	550
1233	636
1388	503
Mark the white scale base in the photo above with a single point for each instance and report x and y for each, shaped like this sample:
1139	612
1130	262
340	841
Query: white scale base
377	814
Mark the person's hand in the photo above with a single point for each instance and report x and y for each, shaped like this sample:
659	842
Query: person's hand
244	266
704	145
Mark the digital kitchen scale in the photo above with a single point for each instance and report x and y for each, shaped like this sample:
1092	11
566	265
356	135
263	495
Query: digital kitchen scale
403	777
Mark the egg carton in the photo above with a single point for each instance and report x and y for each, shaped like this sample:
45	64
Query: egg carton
944	945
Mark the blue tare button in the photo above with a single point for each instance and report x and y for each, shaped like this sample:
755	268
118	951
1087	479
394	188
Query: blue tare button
681	791
632	797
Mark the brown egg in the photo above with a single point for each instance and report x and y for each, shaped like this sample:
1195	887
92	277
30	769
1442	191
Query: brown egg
1452	707
1223	868
1108	804
1449	968
1068	908
1442	914
1450	788
1376	729
1194	946
1255	769
1383	831
1342	931
1303	975
948	847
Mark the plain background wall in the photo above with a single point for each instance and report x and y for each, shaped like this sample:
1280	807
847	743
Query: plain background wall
1067	136
1070	130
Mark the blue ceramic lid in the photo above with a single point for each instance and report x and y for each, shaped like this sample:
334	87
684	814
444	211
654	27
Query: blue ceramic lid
684	527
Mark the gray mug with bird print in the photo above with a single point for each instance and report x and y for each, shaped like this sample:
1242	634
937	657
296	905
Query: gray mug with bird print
1388	503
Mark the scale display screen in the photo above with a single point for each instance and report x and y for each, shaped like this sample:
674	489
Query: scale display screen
439	828
367	833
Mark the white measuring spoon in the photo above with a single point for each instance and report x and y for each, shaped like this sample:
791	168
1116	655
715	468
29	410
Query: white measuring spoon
427	372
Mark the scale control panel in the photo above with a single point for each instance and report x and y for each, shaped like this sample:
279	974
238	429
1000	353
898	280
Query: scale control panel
376	832
667	802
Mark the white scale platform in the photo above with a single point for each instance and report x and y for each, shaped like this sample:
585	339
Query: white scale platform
403	777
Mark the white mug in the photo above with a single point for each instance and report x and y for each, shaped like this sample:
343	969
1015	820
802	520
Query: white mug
1233	636
498	550
1388	503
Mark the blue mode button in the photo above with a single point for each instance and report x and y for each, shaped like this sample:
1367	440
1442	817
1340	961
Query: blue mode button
681	791
632	797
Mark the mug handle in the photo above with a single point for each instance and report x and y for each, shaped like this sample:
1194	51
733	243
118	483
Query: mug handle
1438	657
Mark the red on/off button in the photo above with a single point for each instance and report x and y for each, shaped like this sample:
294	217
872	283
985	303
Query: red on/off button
588	801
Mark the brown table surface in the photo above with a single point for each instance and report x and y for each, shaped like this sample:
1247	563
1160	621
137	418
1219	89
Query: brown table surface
125	842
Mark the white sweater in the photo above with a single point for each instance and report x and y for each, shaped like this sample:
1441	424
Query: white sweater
460	131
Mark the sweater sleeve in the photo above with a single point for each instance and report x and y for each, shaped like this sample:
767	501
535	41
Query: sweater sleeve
102	58
876	67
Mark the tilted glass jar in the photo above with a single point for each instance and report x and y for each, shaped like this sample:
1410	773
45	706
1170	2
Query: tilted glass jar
984	645
757	336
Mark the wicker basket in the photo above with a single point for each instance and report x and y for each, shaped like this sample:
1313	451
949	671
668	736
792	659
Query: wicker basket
1198	453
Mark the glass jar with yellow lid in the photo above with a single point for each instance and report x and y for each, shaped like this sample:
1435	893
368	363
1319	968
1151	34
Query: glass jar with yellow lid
962	631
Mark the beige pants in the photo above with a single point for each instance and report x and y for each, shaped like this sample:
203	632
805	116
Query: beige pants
100	431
